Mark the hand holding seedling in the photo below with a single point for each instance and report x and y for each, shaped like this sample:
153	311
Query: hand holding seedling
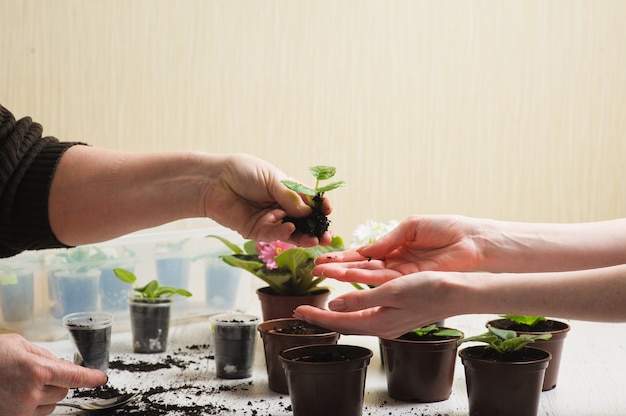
316	224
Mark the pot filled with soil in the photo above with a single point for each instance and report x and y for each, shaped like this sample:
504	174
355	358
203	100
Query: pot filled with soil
150	324
284	333
420	364
505	377
326	380
554	345
234	341
90	333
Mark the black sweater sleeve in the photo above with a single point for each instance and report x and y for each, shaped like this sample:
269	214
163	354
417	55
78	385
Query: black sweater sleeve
27	165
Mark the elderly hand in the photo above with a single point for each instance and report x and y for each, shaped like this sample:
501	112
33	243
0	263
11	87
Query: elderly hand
250	198
33	380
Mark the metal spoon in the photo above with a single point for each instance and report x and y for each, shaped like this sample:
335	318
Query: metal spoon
105	404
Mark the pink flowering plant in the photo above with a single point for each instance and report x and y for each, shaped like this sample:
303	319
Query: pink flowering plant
285	268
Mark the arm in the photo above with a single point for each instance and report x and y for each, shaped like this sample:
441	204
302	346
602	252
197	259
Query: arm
98	194
447	243
411	301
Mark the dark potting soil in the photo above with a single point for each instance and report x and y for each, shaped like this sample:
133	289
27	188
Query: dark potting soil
323	357
301	329
523	355
541	326
315	224
412	336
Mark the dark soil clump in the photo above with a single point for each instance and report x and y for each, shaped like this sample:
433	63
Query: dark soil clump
315	224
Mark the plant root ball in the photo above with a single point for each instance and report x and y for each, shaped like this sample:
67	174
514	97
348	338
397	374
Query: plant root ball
315	224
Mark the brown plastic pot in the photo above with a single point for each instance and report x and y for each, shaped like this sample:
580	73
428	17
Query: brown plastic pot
275	306
553	345
318	386
275	341
506	388
419	370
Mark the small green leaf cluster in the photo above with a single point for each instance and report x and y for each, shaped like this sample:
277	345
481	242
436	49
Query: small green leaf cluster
321	173
527	320
505	341
152	290
434	330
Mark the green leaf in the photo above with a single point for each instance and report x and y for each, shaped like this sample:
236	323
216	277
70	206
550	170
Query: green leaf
323	172
292	258
234	247
249	247
243	261
330	186
124	275
525	319
298	187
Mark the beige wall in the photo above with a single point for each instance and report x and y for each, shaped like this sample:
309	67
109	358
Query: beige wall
508	109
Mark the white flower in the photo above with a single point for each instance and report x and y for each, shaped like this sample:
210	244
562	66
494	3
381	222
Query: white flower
371	231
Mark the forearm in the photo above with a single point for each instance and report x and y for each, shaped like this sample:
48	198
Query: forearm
99	194
593	295
530	247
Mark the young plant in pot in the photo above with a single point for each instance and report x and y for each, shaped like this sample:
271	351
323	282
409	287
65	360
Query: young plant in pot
286	269
533	325
420	364
149	312
283	333
504	376
317	223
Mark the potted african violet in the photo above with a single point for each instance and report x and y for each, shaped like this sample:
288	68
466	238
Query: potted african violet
504	376
150	307
287	271
283	333
534	325
326	380
284	267
420	364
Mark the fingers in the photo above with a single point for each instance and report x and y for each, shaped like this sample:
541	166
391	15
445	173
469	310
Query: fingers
340	256
354	323
67	375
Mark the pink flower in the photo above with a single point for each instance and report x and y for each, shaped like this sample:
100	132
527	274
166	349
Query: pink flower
269	251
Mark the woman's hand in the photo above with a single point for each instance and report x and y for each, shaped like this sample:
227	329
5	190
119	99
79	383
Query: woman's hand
389	310
437	242
33	380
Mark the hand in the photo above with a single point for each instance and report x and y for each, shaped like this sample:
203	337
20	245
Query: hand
251	199
33	380
437	242
389	310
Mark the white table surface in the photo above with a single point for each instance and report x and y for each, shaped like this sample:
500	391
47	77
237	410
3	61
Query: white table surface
591	378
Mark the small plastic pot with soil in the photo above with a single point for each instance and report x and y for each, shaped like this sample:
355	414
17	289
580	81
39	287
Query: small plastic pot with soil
234	341
90	333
